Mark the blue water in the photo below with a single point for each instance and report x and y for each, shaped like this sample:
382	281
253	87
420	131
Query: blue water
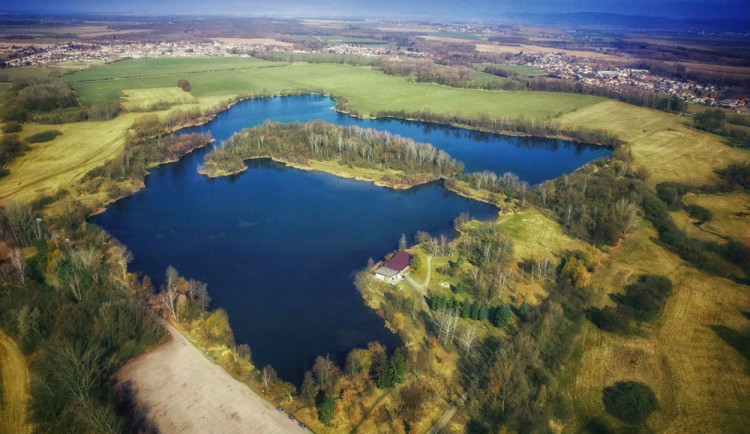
279	247
533	159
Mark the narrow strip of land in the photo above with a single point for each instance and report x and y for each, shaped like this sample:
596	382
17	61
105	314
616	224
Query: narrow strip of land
185	392
15	377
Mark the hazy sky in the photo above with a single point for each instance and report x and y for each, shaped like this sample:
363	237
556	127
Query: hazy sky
457	9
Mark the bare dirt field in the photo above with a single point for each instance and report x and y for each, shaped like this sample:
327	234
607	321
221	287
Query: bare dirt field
187	393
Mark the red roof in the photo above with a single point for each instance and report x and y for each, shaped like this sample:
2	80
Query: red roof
399	261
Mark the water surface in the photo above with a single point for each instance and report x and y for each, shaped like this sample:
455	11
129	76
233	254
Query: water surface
279	247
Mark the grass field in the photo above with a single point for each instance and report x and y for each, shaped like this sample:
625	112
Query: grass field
731	213
15	378
661	142
700	380
135	99
47	166
369	91
528	71
3	90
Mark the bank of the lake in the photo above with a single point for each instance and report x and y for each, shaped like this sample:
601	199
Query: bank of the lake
279	247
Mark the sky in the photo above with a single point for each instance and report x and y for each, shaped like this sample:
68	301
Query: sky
452	9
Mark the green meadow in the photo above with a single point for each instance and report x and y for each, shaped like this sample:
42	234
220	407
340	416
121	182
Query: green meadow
368	90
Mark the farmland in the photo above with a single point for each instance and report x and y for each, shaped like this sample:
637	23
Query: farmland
369	91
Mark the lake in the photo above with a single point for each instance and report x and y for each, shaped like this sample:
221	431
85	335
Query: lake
279	247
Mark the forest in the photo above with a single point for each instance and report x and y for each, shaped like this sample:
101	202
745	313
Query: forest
348	146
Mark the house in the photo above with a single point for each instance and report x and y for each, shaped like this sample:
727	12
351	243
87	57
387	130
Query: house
393	269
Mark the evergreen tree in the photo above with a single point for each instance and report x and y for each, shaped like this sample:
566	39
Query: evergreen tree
475	310
523	310
465	308
484	311
502	315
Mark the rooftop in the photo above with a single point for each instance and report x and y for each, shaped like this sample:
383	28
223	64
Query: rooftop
399	261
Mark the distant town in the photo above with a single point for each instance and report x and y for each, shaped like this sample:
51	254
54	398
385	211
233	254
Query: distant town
556	64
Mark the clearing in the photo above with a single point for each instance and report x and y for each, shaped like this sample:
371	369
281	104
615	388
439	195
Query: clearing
687	357
144	99
50	165
185	392
15	387
661	142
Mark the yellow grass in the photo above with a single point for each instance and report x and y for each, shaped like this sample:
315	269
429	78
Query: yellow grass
700	381
15	386
47	166
660	142
536	235
135	99
725	207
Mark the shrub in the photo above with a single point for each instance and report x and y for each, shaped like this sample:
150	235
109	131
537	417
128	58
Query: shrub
184	84
326	410
646	298
699	213
44	136
12	127
630	402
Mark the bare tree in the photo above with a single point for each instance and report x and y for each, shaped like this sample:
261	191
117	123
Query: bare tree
121	256
467	338
19	263
168	297
446	321
402	242
268	376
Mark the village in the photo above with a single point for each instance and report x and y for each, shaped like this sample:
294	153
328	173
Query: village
557	65
579	69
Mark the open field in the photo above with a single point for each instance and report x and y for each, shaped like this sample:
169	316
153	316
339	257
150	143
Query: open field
15	386
700	380
185	392
661	142
716	69
528	71
49	165
369	91
134	99
731	213
497	48
536	235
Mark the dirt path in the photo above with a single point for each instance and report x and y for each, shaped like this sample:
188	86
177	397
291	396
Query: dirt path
185	392
15	377
423	286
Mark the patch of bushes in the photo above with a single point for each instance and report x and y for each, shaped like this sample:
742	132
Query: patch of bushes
630	402
737	174
44	136
643	300
699	213
706	255
11	127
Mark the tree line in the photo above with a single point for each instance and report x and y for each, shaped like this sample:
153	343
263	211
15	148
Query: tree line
505	125
348	146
